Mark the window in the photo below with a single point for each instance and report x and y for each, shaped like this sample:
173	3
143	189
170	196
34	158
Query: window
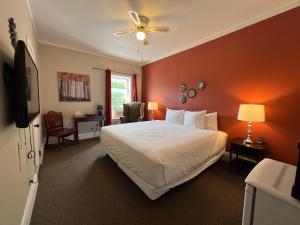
120	94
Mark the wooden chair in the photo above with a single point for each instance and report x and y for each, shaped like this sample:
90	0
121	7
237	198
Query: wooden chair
55	128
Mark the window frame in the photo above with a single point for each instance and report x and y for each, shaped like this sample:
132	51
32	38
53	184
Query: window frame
128	78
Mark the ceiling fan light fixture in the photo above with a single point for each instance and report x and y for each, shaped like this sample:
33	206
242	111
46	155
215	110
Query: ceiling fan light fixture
140	35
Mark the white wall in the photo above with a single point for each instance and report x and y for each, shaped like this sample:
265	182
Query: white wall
15	169
55	59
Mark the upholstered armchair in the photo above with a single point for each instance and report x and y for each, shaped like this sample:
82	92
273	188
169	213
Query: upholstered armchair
133	112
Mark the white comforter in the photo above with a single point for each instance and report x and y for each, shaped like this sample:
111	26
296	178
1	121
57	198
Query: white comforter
160	152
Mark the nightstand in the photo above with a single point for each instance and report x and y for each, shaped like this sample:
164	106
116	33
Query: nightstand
255	151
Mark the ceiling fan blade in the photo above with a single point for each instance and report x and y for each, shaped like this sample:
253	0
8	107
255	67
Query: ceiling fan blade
134	17
124	32
158	29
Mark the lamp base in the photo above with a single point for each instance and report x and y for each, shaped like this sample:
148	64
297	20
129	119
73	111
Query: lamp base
152	115
248	141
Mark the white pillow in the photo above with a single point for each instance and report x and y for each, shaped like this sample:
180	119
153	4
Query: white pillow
195	119
211	121
175	116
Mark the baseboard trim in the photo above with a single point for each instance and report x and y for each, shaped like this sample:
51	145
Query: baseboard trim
30	202
88	135
81	136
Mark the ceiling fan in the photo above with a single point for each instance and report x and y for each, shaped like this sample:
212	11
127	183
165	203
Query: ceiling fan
141	27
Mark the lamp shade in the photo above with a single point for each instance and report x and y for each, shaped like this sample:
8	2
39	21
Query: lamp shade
252	113
152	106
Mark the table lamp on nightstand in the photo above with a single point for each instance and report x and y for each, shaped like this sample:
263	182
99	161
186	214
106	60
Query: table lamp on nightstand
152	106
251	113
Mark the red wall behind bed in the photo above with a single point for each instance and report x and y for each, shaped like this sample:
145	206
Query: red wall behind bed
257	64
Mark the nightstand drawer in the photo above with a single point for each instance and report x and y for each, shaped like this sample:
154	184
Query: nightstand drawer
244	150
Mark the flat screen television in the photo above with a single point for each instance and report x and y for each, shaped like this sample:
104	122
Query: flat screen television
26	87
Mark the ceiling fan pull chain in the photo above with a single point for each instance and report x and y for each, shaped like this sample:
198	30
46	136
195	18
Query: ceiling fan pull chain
142	54
138	50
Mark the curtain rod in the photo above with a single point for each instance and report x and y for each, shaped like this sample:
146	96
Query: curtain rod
96	68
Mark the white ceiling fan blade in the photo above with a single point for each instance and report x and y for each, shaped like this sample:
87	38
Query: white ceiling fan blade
134	17
158	29
124	32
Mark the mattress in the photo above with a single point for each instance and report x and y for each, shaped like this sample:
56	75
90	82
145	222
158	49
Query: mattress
160	153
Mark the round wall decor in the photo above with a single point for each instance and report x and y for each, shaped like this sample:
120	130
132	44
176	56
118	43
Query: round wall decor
191	93
182	87
202	85
182	99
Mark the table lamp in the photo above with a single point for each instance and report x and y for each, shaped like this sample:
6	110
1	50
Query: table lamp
152	106
251	113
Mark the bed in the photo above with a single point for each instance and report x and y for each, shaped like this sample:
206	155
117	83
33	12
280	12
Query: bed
158	155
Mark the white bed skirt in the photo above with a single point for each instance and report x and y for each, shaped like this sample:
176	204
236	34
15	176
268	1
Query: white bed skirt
154	193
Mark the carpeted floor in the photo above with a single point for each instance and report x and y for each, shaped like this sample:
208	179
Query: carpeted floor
81	186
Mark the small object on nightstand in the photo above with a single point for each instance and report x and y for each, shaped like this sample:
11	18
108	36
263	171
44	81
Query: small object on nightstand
260	140
251	150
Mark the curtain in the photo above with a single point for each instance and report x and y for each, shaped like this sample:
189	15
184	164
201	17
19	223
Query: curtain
108	97
134	97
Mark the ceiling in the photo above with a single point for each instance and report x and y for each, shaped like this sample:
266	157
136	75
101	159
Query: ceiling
88	25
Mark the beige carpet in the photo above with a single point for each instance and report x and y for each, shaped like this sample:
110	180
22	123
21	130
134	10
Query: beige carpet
81	186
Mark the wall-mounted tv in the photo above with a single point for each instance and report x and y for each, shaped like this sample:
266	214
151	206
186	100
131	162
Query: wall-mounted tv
26	87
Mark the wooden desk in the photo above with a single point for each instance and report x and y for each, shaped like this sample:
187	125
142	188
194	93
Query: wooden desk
88	118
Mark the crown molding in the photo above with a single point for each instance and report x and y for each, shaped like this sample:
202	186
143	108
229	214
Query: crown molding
36	34
70	48
91	53
229	30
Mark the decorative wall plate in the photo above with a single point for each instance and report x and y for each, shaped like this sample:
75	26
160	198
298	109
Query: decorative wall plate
191	93
182	87
202	85
182	99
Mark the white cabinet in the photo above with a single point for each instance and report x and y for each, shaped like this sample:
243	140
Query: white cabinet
31	141
268	199
35	128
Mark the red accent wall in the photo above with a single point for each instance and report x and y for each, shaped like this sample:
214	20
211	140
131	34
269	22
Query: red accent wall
257	64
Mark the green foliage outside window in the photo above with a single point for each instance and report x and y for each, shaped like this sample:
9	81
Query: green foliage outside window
117	98
119	87
118	83
119	95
